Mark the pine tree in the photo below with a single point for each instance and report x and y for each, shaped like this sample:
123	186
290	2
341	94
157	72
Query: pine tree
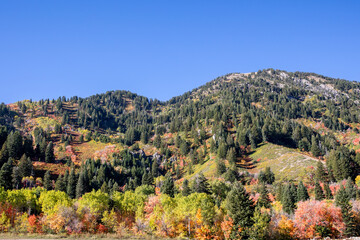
231	156
342	200
315	150
293	192
240	207
190	168
49	153
201	184
267	177
16	178
104	188
252	142
222	151
168	186
6	175
81	185
302	193
264	133
185	188
231	174
4	154
178	174
71	184
66	179
184	148
287	200
157	141
264	200
220	167
328	194
350	189
147	178
212	145
60	184
270	176
25	166
155	168
47	180
319	194
115	187
14	145
320	174
260	230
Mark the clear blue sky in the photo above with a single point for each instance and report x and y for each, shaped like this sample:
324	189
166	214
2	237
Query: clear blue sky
162	49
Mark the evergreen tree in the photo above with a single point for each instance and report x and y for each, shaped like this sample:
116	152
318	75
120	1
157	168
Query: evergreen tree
302	193
186	191
328	194
60	184
222	151
279	192
81	185
220	167
115	187
342	200
157	141
184	148
231	156
212	145
319	194
49	153
6	175
147	178
25	166
260	229
16	178
240	208
14	145
293	192
155	168
315	150
168	186
65	179
201	184
264	200
231	174
350	189
190	168
47	180
4	154
287	200
28	147
267	177
264	133
71	184
144	138
104	188
320	174
178	174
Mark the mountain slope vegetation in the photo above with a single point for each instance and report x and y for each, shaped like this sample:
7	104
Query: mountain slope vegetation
235	131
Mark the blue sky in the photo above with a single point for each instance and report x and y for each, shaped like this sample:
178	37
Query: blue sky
162	49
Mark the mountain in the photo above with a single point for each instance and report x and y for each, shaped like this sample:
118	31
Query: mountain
240	110
119	162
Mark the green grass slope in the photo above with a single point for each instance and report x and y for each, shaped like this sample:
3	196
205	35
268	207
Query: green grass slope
286	163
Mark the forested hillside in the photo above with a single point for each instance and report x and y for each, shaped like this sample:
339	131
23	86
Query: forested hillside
264	155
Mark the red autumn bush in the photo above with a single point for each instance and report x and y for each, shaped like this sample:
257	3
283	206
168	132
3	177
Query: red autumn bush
314	218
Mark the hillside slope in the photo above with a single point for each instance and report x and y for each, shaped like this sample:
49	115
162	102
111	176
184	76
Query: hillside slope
301	117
